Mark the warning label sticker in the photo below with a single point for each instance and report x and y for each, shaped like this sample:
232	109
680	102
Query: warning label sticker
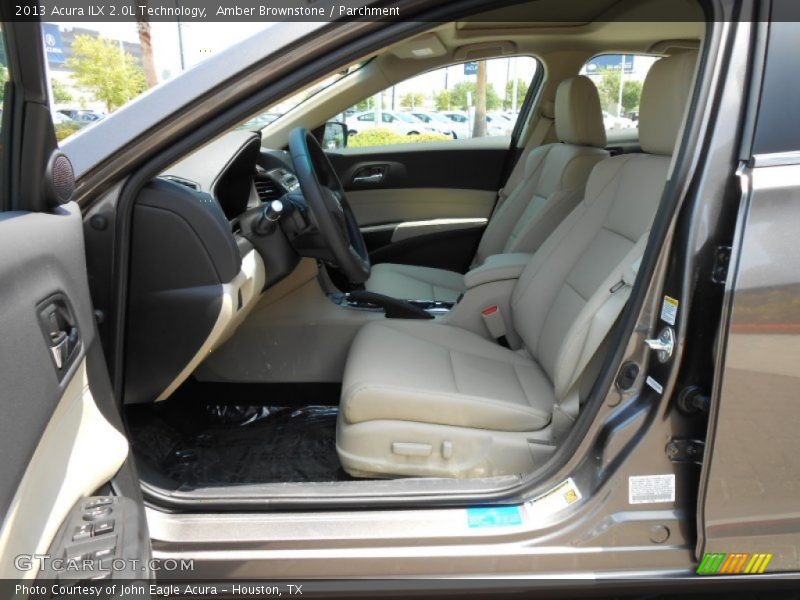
669	310
561	496
648	489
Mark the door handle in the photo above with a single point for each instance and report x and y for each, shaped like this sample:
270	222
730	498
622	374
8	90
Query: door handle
369	174
60	331
59	347
374	178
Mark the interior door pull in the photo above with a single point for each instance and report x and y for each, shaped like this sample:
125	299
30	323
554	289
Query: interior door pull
60	331
369	174
374	178
59	347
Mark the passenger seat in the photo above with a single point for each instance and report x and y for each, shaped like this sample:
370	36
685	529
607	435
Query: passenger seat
432	399
554	179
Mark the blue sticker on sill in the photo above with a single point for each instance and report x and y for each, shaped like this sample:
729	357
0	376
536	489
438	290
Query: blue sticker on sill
494	516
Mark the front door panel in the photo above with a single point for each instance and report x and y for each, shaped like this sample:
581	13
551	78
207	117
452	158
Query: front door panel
424	203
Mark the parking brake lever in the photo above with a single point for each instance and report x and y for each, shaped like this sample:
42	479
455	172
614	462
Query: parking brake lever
394	308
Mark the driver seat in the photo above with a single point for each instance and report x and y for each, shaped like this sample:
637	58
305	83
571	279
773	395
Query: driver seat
552	183
431	399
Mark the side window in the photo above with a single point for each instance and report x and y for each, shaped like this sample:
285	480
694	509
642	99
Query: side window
619	79
472	99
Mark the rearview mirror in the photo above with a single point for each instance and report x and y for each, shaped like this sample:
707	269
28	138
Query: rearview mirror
335	135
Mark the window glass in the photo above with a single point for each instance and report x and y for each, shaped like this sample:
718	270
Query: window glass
619	79
96	68
473	99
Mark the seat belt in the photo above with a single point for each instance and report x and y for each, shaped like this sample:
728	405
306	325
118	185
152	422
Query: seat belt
536	138
566	412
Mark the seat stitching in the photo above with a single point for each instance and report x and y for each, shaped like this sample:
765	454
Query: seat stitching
453	371
515	358
572	287
522	387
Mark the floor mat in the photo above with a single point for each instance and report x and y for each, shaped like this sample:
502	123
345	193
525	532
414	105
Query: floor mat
229	445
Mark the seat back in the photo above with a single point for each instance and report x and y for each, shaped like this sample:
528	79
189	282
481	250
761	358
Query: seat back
554	175
557	304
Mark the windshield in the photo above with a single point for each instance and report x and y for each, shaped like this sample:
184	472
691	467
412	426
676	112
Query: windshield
407	118
276	111
96	68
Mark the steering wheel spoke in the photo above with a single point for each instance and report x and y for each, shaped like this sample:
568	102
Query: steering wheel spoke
328	203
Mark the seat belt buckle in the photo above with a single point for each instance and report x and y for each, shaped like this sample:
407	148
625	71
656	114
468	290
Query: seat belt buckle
493	319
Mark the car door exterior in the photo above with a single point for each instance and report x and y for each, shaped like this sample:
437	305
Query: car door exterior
67	484
748	506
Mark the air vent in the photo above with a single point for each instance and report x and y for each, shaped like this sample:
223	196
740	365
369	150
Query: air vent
267	190
182	181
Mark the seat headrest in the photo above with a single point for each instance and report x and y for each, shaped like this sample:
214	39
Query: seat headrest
579	119
664	96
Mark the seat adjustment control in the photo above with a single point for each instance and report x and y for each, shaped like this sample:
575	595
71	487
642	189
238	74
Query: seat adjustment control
411	449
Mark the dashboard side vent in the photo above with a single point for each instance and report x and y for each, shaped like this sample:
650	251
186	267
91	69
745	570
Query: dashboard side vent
267	190
182	181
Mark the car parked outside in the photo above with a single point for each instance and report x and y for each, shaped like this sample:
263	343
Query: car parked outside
611	122
399	122
82	115
441	123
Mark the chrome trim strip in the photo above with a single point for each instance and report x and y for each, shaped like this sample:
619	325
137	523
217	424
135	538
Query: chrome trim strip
775	159
430	223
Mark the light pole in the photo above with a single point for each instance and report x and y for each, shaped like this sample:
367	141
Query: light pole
621	76
180	36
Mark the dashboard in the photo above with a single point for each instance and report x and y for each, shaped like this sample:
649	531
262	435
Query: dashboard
236	172
199	263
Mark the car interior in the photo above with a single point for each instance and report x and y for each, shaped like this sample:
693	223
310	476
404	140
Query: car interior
431	313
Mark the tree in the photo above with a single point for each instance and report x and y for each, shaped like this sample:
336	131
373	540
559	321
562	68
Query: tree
443	100
102	68
458	95
412	100
363	105
145	43
631	94
522	91
3	80
61	94
608	89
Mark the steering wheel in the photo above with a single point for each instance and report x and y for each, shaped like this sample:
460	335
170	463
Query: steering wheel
329	206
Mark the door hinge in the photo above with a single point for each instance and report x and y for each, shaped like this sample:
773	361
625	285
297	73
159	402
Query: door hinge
685	451
719	272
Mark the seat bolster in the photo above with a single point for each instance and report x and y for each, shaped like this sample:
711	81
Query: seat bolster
365	401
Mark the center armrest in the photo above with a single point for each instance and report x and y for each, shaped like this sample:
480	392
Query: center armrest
497	267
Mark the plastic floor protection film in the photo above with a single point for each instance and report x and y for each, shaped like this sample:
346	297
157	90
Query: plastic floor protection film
231	445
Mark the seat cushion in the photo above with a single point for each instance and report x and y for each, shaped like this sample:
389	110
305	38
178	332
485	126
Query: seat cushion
431	373
409	282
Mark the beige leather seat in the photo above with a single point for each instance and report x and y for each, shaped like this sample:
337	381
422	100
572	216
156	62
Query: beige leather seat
430	399
553	182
